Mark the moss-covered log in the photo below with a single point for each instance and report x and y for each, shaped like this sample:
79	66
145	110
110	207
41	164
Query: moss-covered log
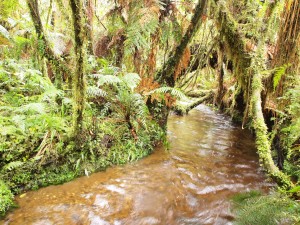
197	93
79	87
184	109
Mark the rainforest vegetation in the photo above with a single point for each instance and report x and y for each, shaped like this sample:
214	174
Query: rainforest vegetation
89	84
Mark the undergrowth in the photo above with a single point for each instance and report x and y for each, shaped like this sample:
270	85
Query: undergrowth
35	124
253	208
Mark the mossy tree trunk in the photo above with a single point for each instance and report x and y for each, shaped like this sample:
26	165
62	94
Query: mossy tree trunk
248	73
220	77
234	46
262	139
45	50
166	77
90	11
79	86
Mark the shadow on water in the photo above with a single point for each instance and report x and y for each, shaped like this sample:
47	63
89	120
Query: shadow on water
209	160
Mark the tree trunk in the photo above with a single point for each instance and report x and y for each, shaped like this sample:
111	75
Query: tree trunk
288	43
44	46
79	86
261	131
166	75
250	81
90	11
220	74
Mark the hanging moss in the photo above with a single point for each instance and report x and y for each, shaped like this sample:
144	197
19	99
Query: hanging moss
166	74
235	47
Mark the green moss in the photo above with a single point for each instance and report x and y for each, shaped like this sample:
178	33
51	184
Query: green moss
6	198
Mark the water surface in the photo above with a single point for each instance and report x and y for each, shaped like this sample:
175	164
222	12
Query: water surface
209	160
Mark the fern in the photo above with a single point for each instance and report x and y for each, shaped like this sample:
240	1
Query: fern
139	109
12	165
10	130
93	91
51	94
106	79
173	91
32	108
143	22
267	210
131	80
279	72
19	121
4	33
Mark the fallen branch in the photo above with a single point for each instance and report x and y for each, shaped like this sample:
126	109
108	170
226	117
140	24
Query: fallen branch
197	93
184	109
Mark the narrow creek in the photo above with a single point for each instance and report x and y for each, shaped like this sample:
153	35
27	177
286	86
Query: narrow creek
209	160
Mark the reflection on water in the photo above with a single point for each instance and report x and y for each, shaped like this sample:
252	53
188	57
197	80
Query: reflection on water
209	160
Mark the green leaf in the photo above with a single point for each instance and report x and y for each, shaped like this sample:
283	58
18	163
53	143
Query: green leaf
295	189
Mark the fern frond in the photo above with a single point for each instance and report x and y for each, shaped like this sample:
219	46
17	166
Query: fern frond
143	22
93	91
106	79
32	107
51	94
4	33
19	121
9	130
141	109
132	80
12	165
173	91
279	72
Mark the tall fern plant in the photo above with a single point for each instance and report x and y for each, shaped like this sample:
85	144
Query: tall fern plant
31	123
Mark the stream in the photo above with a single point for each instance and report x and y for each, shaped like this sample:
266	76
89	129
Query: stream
209	160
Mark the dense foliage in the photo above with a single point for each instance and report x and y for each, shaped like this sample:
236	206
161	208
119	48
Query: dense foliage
88	84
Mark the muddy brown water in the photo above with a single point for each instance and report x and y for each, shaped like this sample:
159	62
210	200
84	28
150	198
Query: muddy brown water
209	160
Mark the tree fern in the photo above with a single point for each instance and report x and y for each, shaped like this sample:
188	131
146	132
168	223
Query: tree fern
143	22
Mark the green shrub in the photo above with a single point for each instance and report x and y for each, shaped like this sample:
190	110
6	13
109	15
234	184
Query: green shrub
6	198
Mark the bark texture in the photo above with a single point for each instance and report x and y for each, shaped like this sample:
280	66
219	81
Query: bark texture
79	86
